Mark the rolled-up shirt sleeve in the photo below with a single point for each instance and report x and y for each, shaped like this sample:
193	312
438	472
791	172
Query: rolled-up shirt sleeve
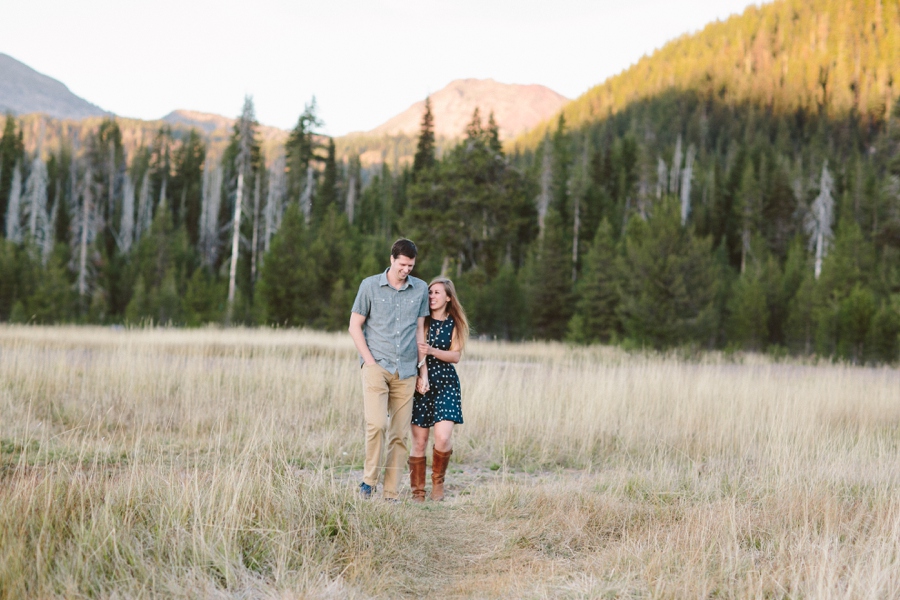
424	310
363	303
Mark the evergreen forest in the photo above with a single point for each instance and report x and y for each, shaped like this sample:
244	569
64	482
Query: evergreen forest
739	189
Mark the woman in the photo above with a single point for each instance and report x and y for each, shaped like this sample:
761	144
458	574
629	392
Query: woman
437	402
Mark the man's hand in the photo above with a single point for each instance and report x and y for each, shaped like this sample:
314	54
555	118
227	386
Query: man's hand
422	384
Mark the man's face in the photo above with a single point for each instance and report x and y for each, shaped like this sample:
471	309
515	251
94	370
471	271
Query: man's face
402	266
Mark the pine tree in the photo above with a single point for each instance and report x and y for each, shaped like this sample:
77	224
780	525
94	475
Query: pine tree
473	128
551	287
203	299
884	334
562	161
596	318
493	135
187	184
63	184
13	218
160	259
855	316
425	150
300	150
749	210
53	300
326	193
287	289
670	282
748	325
12	152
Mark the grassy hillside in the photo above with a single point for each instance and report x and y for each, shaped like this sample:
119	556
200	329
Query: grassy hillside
835	57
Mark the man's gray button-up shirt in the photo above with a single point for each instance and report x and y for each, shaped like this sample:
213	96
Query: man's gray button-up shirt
391	317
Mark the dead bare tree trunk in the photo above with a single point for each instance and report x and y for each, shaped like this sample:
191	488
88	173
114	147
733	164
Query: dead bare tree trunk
112	179
13	209
308	191
162	194
254	250
86	208
209	213
662	177
145	210
686	176
274	200
243	166
581	190
351	198
235	239
126	223
675	176
543	203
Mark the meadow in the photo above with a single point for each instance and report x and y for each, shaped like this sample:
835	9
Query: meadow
146	463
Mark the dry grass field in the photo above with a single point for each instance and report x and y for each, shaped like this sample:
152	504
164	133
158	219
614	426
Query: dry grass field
224	464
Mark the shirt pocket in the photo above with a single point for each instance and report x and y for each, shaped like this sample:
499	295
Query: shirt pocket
381	308
409	309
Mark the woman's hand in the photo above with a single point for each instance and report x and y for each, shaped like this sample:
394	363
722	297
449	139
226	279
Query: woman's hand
425	349
422	384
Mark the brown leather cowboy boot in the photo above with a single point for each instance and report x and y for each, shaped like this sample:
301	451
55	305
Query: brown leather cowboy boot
417	478
439	462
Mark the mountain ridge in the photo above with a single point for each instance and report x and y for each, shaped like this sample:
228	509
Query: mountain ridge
24	90
516	108
831	56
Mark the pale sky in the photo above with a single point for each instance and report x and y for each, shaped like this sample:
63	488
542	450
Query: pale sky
364	60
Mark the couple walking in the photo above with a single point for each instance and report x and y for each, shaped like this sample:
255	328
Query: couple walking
408	336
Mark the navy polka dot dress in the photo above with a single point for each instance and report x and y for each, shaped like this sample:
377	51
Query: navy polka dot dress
443	401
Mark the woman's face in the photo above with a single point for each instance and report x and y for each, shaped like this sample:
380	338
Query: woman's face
437	297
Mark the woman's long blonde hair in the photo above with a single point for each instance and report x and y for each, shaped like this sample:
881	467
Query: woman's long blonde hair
455	310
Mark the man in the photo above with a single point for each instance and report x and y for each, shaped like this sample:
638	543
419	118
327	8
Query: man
387	323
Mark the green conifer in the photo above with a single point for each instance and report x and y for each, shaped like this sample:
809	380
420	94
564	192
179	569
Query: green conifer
425	150
596	318
669	281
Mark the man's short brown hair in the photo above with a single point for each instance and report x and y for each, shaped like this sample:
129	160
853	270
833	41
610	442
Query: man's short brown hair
404	247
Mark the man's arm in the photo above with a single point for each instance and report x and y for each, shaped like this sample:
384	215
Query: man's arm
423	370
420	339
359	338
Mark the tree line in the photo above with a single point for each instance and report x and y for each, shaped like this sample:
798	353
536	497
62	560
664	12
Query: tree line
679	221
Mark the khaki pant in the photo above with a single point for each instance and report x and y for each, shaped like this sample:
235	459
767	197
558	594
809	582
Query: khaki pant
386	395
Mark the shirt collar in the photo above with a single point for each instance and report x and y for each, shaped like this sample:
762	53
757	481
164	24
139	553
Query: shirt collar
384	280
